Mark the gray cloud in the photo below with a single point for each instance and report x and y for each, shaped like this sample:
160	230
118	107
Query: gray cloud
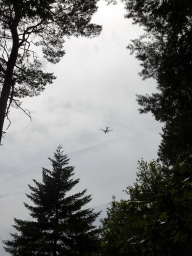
96	84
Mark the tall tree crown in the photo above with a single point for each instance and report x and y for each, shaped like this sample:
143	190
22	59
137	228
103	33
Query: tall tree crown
165	52
156	219
29	24
63	225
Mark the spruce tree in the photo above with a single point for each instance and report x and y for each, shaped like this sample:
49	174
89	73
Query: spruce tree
63	226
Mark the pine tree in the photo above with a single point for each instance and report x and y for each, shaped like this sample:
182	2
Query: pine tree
165	52
63	226
39	23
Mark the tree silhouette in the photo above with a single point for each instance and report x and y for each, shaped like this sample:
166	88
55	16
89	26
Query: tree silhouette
165	52
25	25
156	218
63	226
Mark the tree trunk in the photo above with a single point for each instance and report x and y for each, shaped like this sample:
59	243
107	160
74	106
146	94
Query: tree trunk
9	72
3	105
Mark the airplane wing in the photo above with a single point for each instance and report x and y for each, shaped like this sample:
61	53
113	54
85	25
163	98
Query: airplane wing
102	130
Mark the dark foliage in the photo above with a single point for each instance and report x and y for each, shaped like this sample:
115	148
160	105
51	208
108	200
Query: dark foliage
156	219
26	25
63	225
32	8
166	55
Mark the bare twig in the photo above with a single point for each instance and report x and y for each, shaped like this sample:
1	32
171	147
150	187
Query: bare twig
9	122
15	101
3	60
27	31
2	69
11	98
4	134
28	114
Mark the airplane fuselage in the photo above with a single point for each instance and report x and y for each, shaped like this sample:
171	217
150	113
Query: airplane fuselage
106	130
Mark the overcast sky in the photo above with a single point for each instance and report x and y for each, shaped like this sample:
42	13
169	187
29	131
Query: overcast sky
96	86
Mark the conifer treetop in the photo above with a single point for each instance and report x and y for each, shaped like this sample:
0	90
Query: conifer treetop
63	225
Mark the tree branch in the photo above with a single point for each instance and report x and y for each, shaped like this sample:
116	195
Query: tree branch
28	114
11	98
27	32
2	69
9	122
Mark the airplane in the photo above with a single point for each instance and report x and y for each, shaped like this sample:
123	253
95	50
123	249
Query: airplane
106	130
